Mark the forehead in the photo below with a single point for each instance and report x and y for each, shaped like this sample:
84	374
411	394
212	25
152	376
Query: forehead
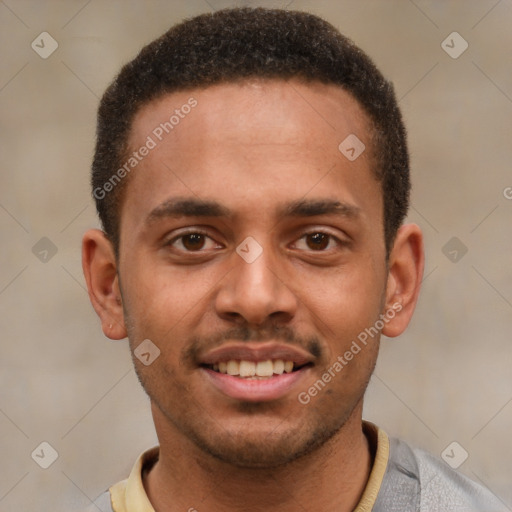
253	109
257	138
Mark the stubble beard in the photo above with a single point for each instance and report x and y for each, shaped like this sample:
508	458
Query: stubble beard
248	449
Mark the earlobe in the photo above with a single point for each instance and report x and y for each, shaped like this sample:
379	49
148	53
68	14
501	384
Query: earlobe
405	273
100	271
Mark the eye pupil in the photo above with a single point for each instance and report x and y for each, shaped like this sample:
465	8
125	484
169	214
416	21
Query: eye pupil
317	241
193	241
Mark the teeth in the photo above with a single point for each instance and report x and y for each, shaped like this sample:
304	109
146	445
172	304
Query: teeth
233	368
265	369
249	369
279	366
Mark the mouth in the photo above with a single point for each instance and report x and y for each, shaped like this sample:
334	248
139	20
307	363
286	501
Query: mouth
256	372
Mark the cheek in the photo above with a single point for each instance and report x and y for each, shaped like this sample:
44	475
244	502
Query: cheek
164	304
343	302
152	289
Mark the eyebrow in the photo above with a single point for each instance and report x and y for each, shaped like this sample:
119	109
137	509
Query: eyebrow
312	207
187	207
192	207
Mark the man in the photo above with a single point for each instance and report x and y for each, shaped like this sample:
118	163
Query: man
251	175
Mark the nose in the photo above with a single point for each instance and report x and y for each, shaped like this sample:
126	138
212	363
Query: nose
254	293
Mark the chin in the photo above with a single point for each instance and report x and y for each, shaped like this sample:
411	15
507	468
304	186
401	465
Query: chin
270	449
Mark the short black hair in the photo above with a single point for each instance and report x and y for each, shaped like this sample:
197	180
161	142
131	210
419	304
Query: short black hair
232	45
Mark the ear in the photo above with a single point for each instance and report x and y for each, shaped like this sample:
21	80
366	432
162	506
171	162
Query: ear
405	273
100	270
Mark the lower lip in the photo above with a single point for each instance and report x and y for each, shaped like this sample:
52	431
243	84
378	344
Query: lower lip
255	390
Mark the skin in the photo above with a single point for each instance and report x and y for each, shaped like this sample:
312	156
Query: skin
254	148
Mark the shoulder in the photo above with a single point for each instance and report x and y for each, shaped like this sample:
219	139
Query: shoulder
439	486
443	486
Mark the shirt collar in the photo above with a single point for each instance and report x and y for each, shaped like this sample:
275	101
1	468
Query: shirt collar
130	496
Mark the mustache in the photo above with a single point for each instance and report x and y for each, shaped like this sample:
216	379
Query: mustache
201	344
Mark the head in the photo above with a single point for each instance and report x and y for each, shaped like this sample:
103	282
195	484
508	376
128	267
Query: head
237	229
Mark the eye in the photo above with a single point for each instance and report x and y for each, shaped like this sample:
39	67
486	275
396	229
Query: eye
193	242
317	242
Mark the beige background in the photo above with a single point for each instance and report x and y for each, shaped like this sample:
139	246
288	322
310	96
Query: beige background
447	379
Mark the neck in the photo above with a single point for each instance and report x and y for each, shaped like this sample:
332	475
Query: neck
330	479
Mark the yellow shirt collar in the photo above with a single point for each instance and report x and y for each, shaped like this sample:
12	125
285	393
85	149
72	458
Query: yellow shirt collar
129	495
379	439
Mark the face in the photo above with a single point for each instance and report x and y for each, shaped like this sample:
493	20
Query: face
250	243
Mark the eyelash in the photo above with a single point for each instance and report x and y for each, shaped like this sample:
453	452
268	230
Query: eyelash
331	237
181	236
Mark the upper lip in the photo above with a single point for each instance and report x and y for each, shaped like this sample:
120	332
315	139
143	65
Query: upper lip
259	351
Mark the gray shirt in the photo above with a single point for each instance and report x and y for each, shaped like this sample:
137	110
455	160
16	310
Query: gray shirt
416	481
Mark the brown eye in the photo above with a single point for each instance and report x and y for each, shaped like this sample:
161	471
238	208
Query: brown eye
193	241
317	241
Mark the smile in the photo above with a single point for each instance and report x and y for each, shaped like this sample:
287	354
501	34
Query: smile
255	371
